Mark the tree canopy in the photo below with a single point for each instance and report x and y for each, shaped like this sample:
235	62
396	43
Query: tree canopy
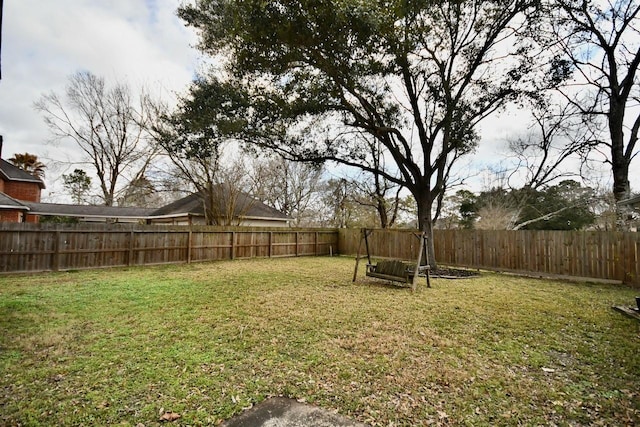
414	77
109	125
194	137
29	163
78	184
562	206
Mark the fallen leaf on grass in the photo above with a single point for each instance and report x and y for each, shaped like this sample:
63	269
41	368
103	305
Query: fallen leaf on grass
169	416
506	415
102	405
548	370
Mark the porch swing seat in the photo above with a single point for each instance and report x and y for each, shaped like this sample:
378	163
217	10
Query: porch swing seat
395	270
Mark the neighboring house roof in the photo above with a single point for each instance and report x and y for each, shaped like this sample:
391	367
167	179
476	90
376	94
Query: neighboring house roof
190	204
245	207
7	202
88	211
12	173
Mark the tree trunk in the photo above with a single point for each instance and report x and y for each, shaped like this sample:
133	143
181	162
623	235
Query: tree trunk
381	207
619	164
208	203
425	224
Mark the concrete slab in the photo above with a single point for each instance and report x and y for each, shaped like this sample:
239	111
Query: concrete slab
283	412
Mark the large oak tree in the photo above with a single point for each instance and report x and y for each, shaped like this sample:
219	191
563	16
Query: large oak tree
417	76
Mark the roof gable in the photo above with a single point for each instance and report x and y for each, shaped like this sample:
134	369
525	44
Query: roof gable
191	204
13	173
245	206
8	202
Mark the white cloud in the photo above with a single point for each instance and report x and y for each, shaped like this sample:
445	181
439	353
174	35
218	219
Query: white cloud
138	42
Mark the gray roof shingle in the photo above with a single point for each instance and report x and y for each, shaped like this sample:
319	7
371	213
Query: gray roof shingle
246	206
88	210
12	173
10	202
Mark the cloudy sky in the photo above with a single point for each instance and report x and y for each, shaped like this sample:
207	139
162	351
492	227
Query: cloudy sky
141	42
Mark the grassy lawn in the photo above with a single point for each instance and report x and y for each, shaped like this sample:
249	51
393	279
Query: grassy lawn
123	346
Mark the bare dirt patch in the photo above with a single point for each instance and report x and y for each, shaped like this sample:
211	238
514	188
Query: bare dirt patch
453	273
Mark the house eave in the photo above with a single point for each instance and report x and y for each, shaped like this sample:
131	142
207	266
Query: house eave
265	218
170	216
14	207
193	215
93	216
8	178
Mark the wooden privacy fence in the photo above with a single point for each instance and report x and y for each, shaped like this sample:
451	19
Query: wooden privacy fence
46	247
586	254
33	247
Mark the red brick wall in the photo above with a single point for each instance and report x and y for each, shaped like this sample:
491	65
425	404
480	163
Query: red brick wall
26	191
33	218
10	216
2	185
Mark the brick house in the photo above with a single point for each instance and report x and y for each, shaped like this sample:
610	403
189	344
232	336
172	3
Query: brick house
11	210
17	186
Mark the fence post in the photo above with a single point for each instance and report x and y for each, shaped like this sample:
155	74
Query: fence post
297	243
270	244
130	255
189	243
56	251
315	250
233	245
254	249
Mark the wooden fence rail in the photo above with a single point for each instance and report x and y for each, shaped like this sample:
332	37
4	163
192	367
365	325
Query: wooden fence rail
44	247
586	254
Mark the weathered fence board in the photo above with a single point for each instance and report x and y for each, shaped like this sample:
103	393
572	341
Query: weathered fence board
47	247
587	254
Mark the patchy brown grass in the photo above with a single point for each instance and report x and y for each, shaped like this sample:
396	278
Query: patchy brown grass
125	346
